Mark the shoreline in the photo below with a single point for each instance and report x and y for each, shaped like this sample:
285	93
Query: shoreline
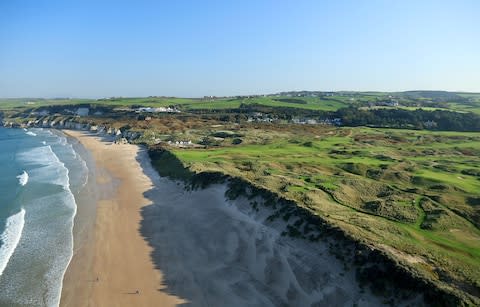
83	224
111	259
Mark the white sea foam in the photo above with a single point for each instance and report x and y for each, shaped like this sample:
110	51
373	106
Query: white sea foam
10	238
23	178
63	140
38	156
46	167
31	133
50	221
44	143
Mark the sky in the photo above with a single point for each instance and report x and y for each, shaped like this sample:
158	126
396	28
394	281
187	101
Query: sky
95	48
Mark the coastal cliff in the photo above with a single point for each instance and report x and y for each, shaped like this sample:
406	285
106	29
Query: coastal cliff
117	133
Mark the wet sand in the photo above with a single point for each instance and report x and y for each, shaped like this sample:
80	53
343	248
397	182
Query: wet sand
112	249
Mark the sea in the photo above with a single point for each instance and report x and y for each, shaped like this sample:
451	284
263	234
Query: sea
41	174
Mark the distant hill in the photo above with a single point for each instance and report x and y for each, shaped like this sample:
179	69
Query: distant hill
433	95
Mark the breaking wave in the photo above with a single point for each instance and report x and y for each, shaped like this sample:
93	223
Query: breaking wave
23	178
10	238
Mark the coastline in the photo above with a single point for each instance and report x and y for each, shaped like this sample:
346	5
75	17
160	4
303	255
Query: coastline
112	248
117	167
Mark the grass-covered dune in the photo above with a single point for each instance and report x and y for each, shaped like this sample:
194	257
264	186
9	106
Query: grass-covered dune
375	268
413	194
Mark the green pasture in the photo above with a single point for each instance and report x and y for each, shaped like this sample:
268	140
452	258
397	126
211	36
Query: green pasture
309	103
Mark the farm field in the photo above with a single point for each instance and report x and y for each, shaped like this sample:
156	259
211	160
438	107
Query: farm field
464	102
309	103
473	107
452	109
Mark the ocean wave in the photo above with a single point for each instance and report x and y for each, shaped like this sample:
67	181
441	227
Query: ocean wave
46	167
43	155
63	140
31	133
10	238
47	238
23	178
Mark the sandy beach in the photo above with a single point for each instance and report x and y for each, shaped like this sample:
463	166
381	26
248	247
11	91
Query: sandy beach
112	261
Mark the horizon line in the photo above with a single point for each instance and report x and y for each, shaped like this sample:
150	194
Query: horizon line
241	95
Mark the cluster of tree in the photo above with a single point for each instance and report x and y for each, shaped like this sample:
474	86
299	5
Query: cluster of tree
281	112
244	110
354	116
418	119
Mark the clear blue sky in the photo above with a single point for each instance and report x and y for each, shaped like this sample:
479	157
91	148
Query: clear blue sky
89	48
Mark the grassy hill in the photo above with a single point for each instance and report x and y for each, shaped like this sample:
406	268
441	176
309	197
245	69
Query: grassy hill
427	100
